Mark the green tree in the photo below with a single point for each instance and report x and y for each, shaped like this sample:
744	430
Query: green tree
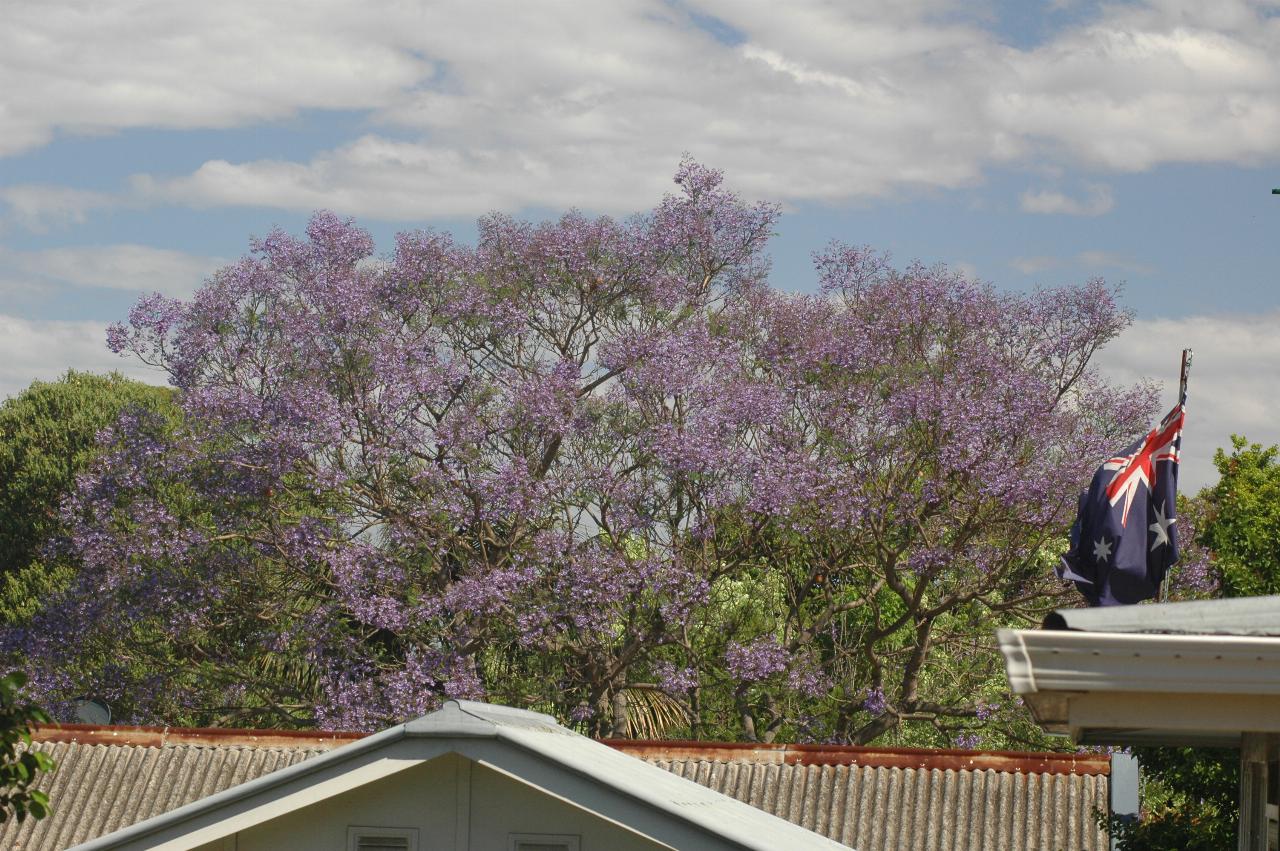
20	765
1243	523
48	435
1189	801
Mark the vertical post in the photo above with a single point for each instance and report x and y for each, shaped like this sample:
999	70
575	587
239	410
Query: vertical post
1253	792
1124	789
1184	373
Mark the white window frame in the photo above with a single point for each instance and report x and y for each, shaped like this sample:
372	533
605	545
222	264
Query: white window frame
354	832
572	841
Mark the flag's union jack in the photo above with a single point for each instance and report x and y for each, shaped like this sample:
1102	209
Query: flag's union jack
1139	468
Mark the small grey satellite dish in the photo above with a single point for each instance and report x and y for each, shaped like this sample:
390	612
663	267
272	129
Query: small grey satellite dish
91	711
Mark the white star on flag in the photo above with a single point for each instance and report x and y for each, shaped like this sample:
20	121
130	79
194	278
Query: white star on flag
1161	528
1102	549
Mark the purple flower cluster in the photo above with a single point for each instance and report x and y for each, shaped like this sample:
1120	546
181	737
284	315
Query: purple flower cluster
874	701
756	661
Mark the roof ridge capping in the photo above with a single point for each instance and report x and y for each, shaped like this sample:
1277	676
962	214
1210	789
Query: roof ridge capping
482	720
1254	616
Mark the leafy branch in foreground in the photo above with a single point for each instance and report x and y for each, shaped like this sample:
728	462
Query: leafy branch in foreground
20	765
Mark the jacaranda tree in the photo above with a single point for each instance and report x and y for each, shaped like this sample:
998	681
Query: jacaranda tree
592	466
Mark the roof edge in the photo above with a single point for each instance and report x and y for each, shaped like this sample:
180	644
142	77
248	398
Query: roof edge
1039	661
158	737
1015	762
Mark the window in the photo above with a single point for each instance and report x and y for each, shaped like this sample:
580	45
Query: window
545	842
382	839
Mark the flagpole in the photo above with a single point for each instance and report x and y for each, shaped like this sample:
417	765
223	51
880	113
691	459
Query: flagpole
1187	354
1182	376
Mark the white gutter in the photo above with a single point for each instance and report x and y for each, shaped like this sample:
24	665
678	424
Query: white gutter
1039	661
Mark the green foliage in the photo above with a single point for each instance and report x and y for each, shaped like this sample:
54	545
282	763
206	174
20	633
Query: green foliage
1243	526
20	766
1189	801
48	434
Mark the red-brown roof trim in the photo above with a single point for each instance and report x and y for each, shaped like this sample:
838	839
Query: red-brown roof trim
155	737
921	758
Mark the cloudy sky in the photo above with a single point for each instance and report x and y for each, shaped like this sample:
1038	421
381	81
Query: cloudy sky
142	142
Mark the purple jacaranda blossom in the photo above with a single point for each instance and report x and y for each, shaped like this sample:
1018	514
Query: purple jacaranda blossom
571	457
759	660
874	701
673	680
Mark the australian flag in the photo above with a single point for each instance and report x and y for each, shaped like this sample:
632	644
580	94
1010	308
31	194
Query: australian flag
1124	539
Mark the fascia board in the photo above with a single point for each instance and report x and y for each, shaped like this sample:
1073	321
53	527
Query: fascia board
1061	661
273	795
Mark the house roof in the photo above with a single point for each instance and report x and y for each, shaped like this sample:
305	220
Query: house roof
679	805
884	800
1193	673
874	799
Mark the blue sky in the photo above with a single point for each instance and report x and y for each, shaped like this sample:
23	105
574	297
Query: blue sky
143	143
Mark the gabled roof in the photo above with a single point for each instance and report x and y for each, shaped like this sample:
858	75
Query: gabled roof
507	739
870	798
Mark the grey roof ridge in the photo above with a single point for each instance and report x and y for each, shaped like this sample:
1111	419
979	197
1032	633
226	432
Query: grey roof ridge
472	718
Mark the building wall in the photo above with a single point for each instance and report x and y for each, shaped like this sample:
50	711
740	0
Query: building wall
454	804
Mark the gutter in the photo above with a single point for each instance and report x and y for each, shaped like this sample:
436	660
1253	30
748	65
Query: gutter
1042	661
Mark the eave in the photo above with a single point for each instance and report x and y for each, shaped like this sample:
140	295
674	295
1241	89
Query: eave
1137	688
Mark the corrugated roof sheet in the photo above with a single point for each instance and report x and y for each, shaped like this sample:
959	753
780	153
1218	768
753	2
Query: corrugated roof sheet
878	808
870	799
100	788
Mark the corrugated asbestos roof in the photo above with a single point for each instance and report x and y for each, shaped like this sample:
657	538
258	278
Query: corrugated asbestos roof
870	799
100	788
878	808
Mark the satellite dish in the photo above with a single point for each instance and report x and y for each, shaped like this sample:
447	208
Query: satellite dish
88	711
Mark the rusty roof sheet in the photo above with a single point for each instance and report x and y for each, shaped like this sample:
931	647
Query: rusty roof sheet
868	798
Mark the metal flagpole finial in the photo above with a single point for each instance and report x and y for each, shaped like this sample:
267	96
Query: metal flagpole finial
1182	377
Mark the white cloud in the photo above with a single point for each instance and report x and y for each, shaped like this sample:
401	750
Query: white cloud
98	67
39	208
1099	200
477	106
120	267
1234	386
45	349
